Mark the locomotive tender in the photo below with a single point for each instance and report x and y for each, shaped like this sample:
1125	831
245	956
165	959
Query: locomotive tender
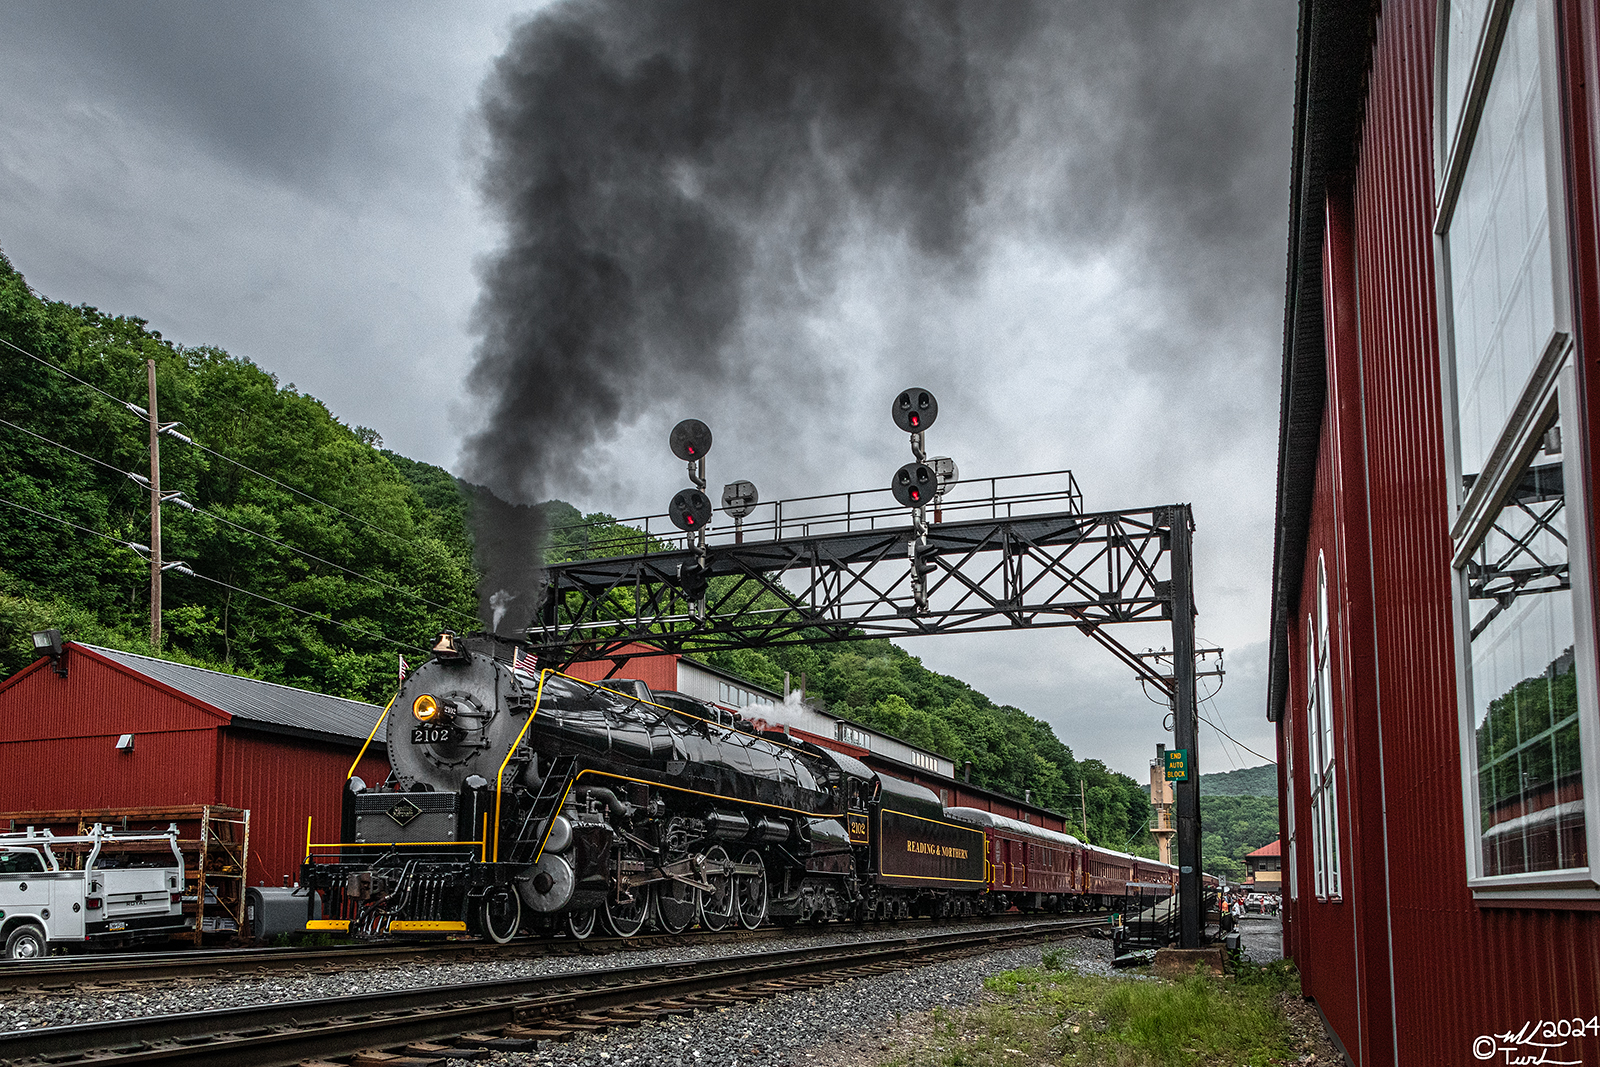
526	798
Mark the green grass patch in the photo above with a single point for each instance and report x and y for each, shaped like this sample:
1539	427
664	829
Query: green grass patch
1054	1015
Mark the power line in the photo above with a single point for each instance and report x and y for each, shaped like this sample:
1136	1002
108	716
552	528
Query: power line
134	408
1228	752
1235	740
142	413
303	611
64	448
66	522
186	505
329	563
186	570
299	492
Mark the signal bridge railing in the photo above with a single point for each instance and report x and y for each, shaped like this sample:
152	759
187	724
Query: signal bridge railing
865	510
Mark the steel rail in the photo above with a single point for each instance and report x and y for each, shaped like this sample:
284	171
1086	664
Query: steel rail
58	974
288	1032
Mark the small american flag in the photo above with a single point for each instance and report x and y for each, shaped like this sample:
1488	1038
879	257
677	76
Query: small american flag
525	661
404	667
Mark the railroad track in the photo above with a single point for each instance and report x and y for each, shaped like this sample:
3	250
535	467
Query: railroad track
129	971
424	1025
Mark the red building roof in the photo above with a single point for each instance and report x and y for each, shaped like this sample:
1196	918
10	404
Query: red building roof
1275	848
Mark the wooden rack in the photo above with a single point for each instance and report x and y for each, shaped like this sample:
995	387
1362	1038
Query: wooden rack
214	840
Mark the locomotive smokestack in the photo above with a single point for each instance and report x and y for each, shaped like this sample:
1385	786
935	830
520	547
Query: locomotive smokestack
664	169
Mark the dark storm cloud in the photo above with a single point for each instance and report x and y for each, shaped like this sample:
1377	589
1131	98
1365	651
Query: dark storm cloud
639	156
639	153
293	92
1167	124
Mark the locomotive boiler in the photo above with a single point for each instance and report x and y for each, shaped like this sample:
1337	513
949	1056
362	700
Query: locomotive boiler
521	797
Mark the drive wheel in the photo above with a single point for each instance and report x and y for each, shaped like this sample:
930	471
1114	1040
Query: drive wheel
626	918
500	915
675	906
719	908
26	942
750	892
580	924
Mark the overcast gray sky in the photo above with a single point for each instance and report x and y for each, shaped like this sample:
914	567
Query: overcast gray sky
299	185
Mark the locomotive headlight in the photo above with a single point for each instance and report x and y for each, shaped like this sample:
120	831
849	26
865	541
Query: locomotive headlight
425	708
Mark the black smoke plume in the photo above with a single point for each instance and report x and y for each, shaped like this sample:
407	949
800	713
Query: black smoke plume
507	542
638	155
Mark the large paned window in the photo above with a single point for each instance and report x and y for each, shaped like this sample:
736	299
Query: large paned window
1320	744
1525	643
1288	748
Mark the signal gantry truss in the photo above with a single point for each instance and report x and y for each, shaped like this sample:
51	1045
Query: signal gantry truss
1034	571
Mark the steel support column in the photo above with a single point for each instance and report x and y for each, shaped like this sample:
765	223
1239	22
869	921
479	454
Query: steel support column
1186	731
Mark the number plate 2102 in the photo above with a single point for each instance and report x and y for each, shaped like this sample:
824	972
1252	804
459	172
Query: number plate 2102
428	735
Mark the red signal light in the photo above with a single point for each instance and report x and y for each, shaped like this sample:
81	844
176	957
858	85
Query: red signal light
913	482
690	508
690	439
914	410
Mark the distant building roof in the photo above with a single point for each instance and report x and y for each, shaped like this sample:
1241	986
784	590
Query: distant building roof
1274	848
253	700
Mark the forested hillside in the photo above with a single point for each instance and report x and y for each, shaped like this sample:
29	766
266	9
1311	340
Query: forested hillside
304	511
313	557
1238	814
1259	781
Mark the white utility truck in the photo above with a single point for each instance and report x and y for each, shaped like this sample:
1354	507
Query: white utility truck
107	888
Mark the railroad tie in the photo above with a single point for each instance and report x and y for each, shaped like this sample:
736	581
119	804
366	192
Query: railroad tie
581	1025
497	1044
376	1058
536	1033
428	1048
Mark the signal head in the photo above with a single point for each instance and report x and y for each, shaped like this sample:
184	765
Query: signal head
914	410
690	440
739	498
914	485
690	510
693	579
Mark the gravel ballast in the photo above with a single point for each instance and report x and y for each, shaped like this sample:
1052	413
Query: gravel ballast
850	1024
843	1024
24	1010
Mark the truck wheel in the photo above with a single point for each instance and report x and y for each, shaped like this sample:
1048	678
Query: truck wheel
26	943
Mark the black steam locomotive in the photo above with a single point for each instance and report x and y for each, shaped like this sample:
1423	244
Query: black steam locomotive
526	798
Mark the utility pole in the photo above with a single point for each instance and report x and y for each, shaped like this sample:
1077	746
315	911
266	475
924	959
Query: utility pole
155	513
1186	730
1083	802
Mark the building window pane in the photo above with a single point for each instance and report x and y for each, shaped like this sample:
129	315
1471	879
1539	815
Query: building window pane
1502	280
1524	681
1321	746
1288	747
1461	40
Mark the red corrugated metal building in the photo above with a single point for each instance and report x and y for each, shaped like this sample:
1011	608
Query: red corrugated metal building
1433	670
198	737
